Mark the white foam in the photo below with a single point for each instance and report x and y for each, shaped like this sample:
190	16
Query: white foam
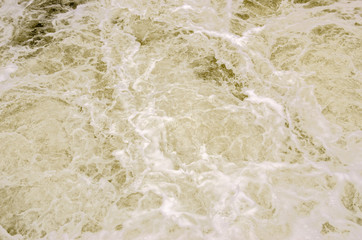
268	101
6	71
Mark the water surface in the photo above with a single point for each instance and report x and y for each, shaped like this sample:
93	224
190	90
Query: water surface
204	119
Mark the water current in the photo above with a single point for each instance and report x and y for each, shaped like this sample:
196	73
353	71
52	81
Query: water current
181	119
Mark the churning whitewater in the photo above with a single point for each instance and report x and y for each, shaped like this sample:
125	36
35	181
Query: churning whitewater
180	119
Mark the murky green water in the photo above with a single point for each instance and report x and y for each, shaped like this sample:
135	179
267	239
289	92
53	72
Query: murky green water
204	119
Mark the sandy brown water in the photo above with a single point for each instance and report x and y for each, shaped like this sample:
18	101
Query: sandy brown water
188	119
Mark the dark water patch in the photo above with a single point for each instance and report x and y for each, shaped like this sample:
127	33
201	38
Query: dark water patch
315	3
148	31
91	226
12	205
33	33
35	27
327	227
240	95
243	16
285	50
330	10
209	69
330	33
53	5
252	12
262	7
352	198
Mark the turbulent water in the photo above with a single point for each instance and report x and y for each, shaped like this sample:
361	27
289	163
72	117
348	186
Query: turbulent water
180	119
